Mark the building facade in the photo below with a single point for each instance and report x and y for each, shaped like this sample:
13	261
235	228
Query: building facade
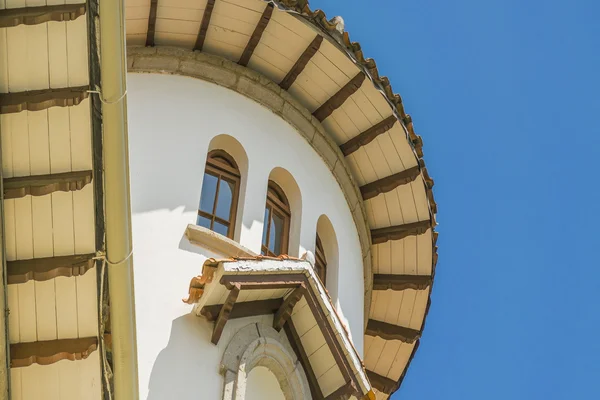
205	199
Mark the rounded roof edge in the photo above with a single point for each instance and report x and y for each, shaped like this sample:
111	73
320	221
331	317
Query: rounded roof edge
380	233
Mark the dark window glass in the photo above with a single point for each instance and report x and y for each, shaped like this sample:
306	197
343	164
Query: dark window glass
220	188
277	222
203	221
276	233
226	190
220	228
209	192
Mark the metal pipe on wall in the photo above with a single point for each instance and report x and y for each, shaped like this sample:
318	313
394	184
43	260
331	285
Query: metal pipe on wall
117	199
4	334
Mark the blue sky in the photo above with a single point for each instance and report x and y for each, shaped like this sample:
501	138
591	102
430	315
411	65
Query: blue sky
506	94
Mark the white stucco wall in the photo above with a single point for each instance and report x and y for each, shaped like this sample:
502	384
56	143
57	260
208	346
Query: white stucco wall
172	120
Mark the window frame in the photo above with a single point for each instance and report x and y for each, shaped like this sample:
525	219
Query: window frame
277	203
320	261
222	166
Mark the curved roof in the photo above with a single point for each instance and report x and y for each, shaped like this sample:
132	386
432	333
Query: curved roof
314	59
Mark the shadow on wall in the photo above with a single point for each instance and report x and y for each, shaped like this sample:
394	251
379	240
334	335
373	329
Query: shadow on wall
179	368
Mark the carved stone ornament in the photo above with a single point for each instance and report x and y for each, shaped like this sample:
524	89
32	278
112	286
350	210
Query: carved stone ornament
260	345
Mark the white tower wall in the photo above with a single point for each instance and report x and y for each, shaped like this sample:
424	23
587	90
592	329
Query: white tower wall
172	122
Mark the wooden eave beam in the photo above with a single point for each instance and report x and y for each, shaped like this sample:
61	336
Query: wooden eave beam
151	23
244	309
287	280
41	185
51	351
224	314
285	311
37	100
330	337
401	282
366	137
256	35
339	98
210	5
301	63
389	183
38	15
381	383
398	232
296	343
392	332
43	269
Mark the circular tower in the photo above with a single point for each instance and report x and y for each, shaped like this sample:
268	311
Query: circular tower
275	177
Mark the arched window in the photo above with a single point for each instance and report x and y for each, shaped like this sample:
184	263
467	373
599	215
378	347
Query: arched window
276	229
220	190
320	261
327	256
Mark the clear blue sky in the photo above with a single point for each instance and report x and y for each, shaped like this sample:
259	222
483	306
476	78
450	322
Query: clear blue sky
506	94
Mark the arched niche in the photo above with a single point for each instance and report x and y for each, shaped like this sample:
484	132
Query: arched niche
329	242
235	149
259	345
263	384
287	182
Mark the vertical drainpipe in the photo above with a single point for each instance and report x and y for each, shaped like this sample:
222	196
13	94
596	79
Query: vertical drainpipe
117	199
4	336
